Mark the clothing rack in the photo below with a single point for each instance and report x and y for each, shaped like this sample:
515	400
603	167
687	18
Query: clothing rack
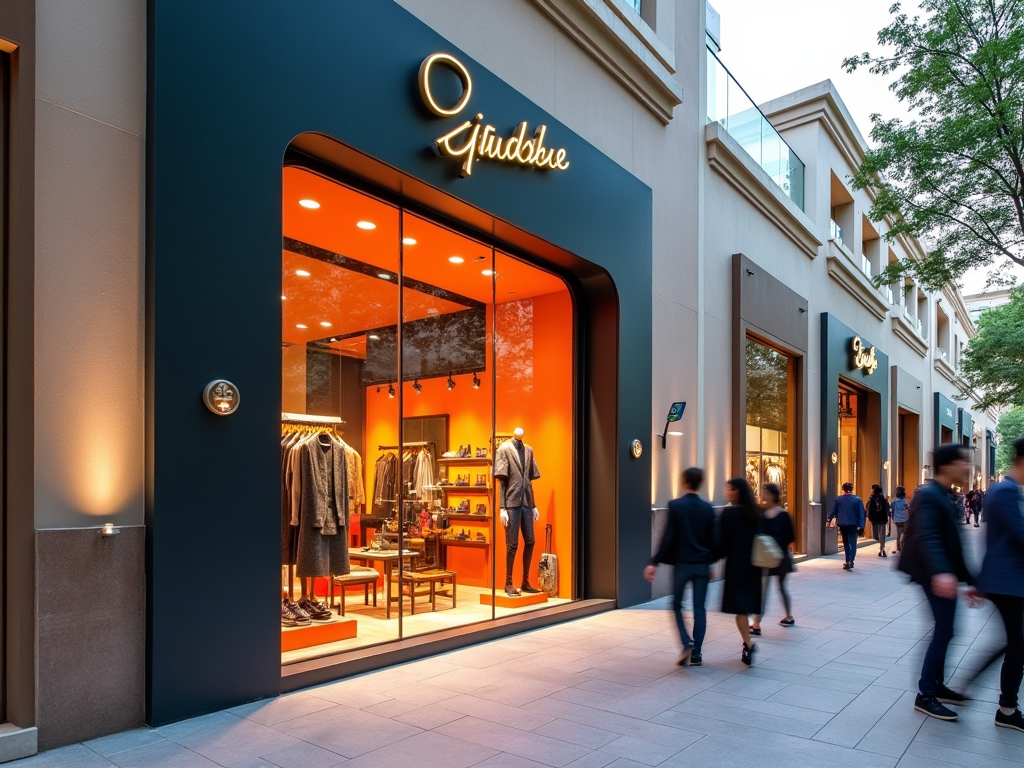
420	444
310	419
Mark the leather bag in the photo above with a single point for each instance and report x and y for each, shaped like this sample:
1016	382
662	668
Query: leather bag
547	568
766	552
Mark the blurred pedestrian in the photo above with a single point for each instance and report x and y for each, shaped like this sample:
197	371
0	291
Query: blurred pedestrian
779	525
899	510
977	504
1002	580
688	545
933	557
849	513
878	514
741	593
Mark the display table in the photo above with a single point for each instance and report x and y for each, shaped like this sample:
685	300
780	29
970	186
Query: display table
501	600
387	558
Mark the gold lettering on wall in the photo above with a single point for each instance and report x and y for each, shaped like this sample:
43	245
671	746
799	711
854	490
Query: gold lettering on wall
474	139
864	359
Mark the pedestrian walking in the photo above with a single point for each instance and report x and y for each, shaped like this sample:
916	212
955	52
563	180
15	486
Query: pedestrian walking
977	504
878	514
849	514
688	544
1002	580
741	593
933	557
899	511
779	525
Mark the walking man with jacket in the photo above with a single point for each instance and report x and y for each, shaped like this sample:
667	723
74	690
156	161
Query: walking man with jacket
849	513
1002	580
933	557
688	544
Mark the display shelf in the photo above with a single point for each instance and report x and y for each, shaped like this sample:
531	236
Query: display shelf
465	489
465	460
467	516
465	543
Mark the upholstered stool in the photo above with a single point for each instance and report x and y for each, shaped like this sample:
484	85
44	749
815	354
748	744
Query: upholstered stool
359	574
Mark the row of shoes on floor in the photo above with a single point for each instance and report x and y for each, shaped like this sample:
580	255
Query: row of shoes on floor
303	612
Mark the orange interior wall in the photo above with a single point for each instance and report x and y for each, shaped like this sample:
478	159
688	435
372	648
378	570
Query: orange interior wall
545	412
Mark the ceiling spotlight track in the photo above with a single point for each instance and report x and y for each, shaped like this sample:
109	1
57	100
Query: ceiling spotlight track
416	386
451	383
476	381
391	390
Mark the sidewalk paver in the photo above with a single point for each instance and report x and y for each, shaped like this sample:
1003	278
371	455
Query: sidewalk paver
604	692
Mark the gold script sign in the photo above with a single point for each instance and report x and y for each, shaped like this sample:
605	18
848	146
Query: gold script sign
863	358
473	139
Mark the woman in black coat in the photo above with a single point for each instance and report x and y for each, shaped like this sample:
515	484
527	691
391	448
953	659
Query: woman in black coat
878	514
741	594
779	525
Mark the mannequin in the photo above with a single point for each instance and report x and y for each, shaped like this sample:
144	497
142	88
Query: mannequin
516	469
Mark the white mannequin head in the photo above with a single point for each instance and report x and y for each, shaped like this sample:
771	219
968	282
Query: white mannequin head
518	434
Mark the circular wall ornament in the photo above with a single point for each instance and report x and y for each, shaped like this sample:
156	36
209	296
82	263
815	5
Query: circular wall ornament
835	457
221	397
637	449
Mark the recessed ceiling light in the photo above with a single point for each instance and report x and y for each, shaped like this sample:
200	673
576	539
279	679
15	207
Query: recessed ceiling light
366	225
325	324
300	325
311	204
283	298
456	259
301	273
374	336
487	272
408	241
383	275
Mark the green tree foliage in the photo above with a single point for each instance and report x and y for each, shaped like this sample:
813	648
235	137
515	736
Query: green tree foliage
1011	427
955	173
993	363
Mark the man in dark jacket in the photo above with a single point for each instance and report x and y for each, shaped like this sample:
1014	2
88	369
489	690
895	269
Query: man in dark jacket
1002	580
688	544
849	513
933	557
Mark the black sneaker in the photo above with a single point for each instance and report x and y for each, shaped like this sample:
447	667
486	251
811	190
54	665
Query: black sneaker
528	590
288	617
317	611
696	660
1015	721
846	566
748	654
301	616
930	706
685	658
947	696
787	623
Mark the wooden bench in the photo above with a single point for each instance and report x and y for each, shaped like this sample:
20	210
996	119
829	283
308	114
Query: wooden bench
434	579
358	575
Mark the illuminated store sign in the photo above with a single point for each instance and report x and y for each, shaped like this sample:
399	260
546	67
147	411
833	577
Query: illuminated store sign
864	359
473	139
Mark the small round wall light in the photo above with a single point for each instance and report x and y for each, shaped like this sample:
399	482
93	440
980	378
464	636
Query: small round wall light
835	457
221	397
636	448
885	465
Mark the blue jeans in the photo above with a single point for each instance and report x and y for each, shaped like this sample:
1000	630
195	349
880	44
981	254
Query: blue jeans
933	671
683	574
849	533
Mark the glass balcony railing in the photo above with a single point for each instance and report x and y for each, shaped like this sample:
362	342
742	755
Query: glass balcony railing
729	105
636	5
865	266
920	328
835	232
887	292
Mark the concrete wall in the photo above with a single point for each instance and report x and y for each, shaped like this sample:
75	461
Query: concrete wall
90	112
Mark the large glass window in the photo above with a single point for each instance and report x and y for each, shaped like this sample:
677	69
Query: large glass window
769	418
851	410
412	357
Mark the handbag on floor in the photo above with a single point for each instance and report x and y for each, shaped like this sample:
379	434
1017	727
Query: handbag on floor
547	568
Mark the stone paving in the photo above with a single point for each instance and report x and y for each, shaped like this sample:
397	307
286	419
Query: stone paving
605	692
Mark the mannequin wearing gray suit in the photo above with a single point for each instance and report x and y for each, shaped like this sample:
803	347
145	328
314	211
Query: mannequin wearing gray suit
516	468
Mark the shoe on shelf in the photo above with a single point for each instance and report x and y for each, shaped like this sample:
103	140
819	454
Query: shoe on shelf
932	707
288	617
301	616
787	623
948	696
756	631
685	658
1015	721
748	654
526	589
696	660
511	591
317	610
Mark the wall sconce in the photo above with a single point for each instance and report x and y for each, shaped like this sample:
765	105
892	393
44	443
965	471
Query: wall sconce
391	390
109	530
221	397
885	465
451	383
675	413
835	457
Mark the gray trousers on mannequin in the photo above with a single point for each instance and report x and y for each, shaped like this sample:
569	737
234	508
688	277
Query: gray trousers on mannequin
519	518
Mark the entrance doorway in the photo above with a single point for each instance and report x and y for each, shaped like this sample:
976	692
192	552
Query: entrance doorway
908	450
859	444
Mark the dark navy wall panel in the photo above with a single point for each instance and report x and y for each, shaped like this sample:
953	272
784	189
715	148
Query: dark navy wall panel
230	85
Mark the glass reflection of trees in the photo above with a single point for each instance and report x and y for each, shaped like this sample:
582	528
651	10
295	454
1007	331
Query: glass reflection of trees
767	418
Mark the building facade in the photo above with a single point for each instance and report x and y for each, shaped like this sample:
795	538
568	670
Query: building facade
281	286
